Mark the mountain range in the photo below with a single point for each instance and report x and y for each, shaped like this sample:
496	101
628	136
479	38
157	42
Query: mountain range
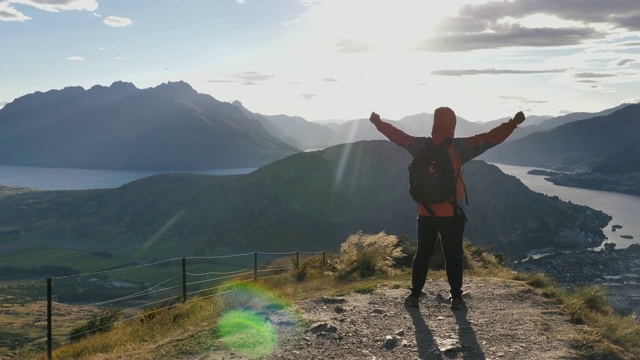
172	127
169	127
601	141
296	199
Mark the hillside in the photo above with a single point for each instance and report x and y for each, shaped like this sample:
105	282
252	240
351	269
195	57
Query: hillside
583	144
534	125
169	127
314	312
305	201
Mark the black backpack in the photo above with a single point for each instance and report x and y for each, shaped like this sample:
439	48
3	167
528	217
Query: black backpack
432	179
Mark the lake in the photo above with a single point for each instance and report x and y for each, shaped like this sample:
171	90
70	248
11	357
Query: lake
625	209
83	179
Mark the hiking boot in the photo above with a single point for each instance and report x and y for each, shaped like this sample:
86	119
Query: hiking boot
457	303
412	301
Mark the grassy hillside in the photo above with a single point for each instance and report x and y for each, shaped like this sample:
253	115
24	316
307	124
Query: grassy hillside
308	201
196	327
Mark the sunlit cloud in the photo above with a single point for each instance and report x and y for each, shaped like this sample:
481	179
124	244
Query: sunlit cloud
59	5
531	23
75	58
115	21
493	72
9	13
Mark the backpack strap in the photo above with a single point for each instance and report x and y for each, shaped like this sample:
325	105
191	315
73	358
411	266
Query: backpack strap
456	207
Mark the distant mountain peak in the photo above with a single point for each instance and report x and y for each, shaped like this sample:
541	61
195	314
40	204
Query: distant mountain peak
176	85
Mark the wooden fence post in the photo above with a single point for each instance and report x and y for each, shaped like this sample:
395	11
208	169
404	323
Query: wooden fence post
184	280
255	266
49	316
297	260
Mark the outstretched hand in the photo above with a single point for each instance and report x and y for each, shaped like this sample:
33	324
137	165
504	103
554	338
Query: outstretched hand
374	118
519	118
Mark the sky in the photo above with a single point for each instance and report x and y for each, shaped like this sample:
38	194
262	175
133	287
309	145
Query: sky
335	59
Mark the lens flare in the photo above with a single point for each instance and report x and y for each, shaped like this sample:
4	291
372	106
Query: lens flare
248	333
253	320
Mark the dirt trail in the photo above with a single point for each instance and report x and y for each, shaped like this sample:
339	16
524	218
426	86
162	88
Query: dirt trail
503	320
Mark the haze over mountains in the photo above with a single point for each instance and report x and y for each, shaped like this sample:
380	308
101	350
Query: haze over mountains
172	127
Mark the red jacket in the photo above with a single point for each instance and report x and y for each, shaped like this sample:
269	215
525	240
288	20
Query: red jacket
461	149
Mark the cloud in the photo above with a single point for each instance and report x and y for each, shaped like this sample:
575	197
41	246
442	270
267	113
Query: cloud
631	43
499	24
75	58
9	13
624	62
588	75
349	46
59	5
510	36
523	99
240	1
330	80
308	96
629	21
493	72
245	78
251	77
115	21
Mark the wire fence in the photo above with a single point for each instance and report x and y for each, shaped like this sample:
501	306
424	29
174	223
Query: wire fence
67	308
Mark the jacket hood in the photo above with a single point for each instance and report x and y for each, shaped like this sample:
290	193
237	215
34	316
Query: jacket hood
444	125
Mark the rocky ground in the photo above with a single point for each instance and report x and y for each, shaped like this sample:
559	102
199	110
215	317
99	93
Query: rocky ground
502	320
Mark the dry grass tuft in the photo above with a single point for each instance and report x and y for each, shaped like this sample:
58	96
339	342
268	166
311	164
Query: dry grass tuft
368	255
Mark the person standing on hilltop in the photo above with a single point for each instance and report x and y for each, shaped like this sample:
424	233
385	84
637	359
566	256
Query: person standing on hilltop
447	218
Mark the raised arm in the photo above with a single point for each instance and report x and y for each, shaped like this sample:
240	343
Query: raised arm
392	133
473	146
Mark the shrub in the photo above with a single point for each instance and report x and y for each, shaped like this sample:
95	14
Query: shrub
101	322
151	313
368	255
306	267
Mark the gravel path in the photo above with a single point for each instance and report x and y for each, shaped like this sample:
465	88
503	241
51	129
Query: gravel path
502	320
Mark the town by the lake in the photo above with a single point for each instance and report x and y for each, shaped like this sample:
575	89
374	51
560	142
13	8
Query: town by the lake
616	270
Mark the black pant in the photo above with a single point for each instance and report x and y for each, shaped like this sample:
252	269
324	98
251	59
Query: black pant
451	231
